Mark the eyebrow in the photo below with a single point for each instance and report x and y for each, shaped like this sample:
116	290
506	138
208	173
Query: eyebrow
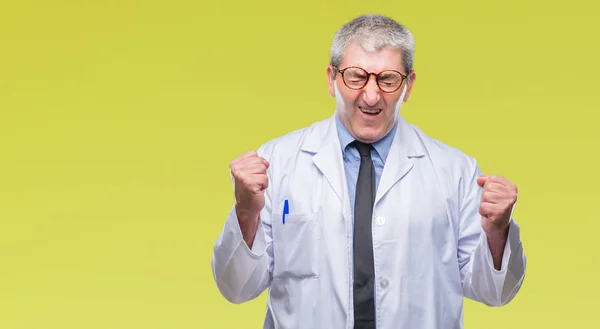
387	74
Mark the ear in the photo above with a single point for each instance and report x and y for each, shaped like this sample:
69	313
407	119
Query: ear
412	77
330	80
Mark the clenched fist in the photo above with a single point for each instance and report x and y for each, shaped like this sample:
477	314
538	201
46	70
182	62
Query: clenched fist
497	201
249	173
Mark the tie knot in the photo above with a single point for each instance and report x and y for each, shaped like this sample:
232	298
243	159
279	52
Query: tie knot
363	148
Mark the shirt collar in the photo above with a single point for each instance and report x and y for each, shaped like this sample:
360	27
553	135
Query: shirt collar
382	146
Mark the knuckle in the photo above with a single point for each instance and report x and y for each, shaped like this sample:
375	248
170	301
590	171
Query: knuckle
246	182
239	179
241	175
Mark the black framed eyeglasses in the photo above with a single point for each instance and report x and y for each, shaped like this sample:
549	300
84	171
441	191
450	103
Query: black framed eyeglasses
356	78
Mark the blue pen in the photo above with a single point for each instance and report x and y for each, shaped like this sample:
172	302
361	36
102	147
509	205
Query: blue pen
286	210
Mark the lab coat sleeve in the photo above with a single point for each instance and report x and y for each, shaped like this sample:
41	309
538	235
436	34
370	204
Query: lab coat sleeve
242	273
480	280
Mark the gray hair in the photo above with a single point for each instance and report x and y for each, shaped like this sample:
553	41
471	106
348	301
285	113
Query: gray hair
373	33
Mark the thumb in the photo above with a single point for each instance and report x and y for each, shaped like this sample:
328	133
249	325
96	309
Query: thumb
481	180
265	162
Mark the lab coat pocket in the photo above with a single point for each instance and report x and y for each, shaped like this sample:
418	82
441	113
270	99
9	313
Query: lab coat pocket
295	245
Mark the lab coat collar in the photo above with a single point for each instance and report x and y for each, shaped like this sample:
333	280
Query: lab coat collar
406	147
406	142
323	141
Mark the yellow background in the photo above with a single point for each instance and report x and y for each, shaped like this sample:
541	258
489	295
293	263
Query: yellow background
118	120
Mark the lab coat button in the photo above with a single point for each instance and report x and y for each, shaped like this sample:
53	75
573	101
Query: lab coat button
384	283
380	220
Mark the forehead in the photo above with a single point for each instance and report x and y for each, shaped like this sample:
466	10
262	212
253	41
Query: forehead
376	61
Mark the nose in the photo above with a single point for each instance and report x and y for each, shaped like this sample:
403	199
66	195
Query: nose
371	92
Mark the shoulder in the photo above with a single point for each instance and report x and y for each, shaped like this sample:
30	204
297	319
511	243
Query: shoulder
290	143
455	171
447	158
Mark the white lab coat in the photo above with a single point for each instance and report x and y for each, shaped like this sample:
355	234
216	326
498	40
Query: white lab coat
429	247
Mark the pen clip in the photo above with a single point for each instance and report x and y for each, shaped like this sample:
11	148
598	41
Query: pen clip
286	210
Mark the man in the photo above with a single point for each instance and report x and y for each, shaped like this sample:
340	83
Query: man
361	220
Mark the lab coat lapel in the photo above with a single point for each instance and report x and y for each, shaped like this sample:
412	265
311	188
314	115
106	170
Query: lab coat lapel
405	148
324	143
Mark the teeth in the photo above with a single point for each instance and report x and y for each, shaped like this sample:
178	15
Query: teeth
373	111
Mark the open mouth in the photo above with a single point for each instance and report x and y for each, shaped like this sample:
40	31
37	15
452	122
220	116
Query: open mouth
368	111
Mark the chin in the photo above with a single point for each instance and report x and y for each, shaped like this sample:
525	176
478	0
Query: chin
369	134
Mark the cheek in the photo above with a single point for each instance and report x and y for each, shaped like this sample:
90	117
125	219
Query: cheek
392	104
346	100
